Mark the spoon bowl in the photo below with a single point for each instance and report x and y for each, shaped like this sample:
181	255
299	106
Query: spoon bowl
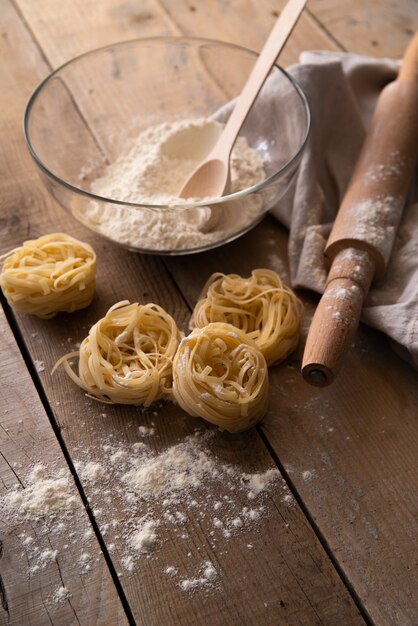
211	179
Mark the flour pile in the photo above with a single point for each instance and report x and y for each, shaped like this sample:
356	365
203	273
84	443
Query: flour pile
145	502
43	495
152	171
43	513
158	499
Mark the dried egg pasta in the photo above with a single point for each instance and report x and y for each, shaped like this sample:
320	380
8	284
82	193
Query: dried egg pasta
261	306
220	375
127	356
53	273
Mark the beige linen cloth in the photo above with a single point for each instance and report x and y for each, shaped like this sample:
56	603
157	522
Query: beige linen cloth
342	90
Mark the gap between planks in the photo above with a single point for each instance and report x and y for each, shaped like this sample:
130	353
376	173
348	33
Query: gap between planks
14	327
34	376
321	538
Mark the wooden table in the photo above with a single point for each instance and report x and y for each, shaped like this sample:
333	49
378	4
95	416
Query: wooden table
336	542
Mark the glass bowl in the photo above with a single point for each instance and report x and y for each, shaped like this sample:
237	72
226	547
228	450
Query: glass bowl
86	116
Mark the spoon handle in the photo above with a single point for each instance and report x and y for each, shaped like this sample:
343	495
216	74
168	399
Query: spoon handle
265	61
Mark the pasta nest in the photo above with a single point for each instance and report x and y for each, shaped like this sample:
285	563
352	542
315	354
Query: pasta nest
220	375
127	356
260	306
53	273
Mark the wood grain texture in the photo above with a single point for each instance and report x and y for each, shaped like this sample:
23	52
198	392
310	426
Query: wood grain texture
241	22
349	450
299	583
380	28
245	23
29	579
348	503
364	395
358	440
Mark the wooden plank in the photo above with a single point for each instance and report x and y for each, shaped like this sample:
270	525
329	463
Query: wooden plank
71	24
380	28
52	568
362	535
245	23
320	440
285	560
349	450
358	441
241	22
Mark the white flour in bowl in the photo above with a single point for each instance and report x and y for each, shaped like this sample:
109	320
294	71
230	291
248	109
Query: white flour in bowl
152	170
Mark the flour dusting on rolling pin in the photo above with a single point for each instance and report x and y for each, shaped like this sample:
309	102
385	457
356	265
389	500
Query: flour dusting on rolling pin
364	231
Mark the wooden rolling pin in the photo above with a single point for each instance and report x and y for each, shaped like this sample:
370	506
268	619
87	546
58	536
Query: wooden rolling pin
361	240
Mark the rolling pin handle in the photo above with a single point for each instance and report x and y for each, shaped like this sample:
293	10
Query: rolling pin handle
362	237
337	315
409	67
317	375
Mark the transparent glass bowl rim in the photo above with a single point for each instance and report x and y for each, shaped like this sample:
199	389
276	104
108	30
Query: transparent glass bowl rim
183	205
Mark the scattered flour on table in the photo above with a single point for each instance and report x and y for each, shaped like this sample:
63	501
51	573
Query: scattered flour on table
43	495
179	468
208	574
162	495
146	431
85	562
48	503
145	537
151	171
90	471
258	482
60	595
142	499
46	557
39	366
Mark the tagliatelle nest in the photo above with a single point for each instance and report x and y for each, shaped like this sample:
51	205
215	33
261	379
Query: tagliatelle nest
261	306
220	375
127	356
53	273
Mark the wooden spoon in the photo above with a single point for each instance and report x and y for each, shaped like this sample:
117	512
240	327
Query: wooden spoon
211	178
